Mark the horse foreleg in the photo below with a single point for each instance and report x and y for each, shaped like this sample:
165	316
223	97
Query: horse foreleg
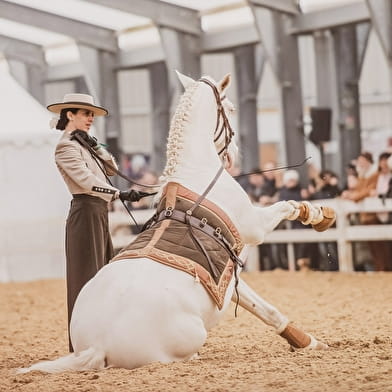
270	315
321	218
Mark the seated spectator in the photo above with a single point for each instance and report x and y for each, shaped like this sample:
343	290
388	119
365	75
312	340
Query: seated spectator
351	174
270	186
384	178
137	166
305	253
291	189
367	178
389	191
328	187
148	178
366	187
254	185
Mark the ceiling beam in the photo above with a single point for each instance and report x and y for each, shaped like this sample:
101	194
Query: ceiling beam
24	51
139	58
92	35
162	13
330	18
56	73
285	6
381	14
226	40
142	57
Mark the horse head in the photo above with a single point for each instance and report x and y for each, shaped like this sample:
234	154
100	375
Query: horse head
214	109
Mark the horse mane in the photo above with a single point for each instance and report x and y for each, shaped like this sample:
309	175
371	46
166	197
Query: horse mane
176	132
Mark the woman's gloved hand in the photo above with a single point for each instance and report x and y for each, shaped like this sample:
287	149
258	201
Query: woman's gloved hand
132	195
91	140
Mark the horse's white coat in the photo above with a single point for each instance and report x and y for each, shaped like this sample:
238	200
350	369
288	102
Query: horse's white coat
139	311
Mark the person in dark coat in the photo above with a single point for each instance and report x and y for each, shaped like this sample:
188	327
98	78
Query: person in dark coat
328	189
305	253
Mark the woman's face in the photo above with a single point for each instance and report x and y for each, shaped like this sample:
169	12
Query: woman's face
82	120
383	165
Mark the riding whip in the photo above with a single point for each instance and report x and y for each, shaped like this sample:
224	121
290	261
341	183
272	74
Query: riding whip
274	169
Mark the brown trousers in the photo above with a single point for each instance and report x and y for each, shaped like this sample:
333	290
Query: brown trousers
88	245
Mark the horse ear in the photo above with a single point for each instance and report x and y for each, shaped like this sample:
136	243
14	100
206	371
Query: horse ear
185	80
224	83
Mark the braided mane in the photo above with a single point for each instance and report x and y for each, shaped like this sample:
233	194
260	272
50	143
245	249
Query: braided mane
176	132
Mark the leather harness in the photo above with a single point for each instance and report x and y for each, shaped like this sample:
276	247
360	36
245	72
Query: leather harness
204	244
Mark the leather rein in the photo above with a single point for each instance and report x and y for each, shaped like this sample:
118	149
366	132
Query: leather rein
110	166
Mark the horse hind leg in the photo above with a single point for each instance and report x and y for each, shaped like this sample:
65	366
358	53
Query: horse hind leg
320	217
251	301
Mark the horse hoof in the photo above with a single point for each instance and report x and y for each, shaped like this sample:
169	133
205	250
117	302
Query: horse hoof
315	344
329	218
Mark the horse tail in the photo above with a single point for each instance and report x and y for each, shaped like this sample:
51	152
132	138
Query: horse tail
88	359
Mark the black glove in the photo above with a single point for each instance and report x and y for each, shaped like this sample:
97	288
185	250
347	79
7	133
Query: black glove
91	140
132	195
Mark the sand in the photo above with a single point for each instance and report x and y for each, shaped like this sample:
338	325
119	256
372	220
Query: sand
350	312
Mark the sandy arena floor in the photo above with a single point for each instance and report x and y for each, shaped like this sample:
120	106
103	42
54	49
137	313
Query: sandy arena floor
351	312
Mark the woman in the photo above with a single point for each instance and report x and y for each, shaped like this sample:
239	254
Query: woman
88	242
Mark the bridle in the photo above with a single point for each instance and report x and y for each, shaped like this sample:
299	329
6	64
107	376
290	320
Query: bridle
226	127
229	133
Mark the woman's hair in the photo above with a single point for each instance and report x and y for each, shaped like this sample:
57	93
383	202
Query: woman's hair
384	155
63	120
381	157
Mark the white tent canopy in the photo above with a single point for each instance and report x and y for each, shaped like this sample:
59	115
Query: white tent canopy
33	198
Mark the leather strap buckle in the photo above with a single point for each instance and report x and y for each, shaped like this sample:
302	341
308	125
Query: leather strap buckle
203	222
217	232
168	212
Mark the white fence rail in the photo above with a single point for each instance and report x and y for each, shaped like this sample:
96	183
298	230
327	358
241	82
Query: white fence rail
344	233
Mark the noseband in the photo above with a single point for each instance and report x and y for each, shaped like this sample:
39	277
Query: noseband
226	127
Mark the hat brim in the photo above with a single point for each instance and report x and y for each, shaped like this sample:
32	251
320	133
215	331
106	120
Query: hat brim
58	107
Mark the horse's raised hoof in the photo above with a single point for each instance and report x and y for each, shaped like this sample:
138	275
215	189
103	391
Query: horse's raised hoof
329	218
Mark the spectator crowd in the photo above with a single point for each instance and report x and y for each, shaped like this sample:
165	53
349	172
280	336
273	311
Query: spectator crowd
364	178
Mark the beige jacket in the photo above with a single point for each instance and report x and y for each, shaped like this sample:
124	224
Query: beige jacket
81	172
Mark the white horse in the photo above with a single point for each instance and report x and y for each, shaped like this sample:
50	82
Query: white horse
137	311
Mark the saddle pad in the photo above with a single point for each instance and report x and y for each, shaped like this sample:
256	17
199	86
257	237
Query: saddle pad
170	242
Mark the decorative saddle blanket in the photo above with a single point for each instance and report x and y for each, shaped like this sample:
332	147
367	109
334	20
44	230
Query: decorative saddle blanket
204	245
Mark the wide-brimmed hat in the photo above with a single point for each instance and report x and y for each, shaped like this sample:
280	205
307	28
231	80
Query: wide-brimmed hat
77	101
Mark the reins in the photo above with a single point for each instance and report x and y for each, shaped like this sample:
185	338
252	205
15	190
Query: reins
110	166
101	162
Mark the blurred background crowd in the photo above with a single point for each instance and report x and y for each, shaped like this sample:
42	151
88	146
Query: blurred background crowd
366	176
